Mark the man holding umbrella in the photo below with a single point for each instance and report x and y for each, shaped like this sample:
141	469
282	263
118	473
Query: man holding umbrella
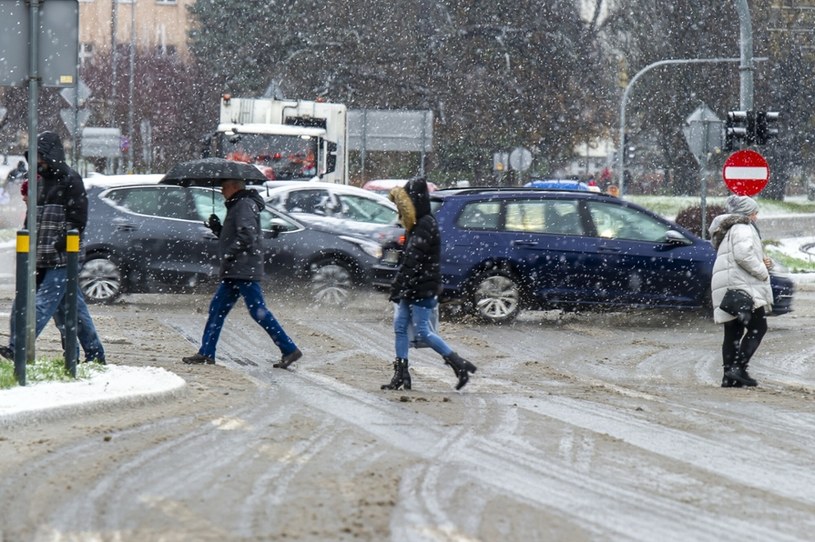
241	270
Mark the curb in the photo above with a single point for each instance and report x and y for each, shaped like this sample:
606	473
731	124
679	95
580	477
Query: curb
119	385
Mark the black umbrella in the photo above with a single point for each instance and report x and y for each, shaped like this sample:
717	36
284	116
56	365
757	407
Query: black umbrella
211	171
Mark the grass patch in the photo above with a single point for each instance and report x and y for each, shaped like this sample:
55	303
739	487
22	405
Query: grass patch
669	206
47	370
792	263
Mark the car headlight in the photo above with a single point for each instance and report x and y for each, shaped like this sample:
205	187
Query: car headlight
369	247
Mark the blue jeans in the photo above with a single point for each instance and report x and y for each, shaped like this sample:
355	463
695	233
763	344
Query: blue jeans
222	302
419	312
51	303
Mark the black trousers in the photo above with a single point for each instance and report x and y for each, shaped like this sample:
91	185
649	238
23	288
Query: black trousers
740	341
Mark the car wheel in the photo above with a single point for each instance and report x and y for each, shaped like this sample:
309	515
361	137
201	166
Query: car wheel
100	279
496	297
331	282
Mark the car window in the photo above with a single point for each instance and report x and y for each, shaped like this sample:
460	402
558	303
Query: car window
168	202
269	217
276	202
618	222
310	201
204	207
207	202
363	209
544	216
480	215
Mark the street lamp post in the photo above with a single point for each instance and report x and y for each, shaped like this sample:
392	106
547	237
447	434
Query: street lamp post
649	67
745	75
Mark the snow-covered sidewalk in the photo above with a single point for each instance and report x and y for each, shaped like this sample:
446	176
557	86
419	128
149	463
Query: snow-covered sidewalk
117	384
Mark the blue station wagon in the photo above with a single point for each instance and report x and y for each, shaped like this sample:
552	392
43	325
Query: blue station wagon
508	249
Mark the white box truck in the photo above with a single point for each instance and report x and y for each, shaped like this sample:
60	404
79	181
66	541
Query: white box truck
286	139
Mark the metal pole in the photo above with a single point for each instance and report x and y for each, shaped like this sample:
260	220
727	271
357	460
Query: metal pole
33	188
72	251
114	22
130	86
364	138
746	47
624	101
20	347
424	135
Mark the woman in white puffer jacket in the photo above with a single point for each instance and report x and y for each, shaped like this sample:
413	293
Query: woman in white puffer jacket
740	264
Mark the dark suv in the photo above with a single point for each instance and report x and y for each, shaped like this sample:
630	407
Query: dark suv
146	238
508	249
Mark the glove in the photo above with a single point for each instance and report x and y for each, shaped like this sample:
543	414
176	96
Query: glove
60	245
394	296
214	223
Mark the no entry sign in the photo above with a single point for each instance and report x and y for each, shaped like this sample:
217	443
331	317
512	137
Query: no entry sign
746	173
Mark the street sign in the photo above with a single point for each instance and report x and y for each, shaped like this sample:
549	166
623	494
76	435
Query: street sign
101	142
69	115
57	39
520	159
703	133
746	173
81	94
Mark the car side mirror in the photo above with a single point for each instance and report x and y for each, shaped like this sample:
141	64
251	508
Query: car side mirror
673	237
273	231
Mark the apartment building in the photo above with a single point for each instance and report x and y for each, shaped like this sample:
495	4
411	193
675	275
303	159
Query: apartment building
159	25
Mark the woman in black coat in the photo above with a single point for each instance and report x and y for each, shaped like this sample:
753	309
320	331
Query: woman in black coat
417	283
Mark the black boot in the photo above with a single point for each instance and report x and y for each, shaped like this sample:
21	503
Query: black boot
729	382
401	376
461	367
739	374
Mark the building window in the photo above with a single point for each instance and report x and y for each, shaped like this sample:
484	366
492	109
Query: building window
165	50
165	1
85	54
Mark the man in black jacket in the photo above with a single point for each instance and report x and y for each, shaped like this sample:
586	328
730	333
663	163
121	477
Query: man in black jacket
241	272
62	205
417	283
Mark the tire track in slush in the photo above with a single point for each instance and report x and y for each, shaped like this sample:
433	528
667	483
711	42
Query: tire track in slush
157	471
792	427
519	473
533	479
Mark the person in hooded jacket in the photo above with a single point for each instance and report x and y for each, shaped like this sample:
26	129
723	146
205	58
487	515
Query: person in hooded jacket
241	270
62	205
740	264
418	283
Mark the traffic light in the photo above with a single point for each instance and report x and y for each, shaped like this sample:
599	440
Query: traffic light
764	126
740	127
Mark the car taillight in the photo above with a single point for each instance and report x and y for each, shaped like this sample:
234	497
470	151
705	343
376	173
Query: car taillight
402	239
